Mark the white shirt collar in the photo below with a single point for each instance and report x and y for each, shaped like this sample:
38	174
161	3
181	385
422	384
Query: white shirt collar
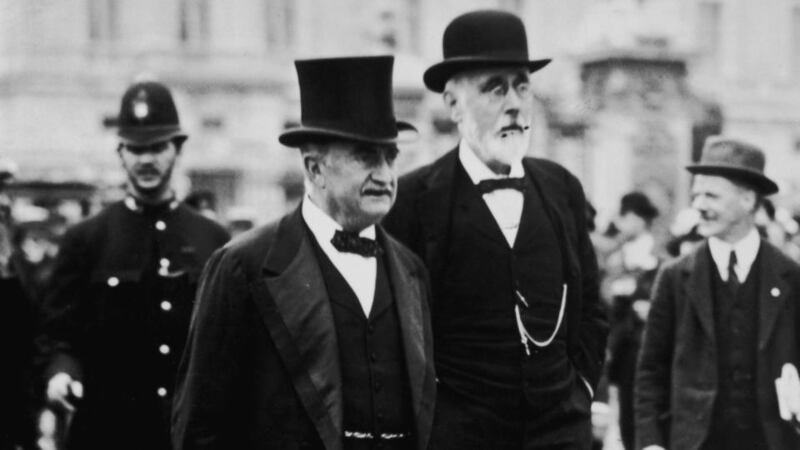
323	226
746	251
478	170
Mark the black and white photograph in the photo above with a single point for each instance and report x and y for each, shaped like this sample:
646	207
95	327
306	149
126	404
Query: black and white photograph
400	224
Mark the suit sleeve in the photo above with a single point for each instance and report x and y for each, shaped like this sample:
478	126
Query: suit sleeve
593	329
204	413
653	373
65	319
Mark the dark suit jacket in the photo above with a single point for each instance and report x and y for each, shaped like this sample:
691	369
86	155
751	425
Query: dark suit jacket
261	369
676	381
421	219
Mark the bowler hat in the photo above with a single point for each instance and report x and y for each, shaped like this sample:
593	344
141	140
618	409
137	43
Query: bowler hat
481	39
348	98
734	159
148	115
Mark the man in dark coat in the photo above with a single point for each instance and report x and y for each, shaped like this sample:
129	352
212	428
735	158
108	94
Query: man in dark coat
724	320
118	309
17	314
314	332
519	330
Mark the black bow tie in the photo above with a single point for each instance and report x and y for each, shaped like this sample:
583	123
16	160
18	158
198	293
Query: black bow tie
493	184
351	242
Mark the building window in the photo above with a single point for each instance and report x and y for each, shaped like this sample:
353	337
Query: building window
194	27
794	48
514	6
103	20
709	30
397	25
280	21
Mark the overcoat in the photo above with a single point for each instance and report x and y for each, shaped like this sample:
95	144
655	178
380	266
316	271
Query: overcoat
261	368
677	376
421	219
117	314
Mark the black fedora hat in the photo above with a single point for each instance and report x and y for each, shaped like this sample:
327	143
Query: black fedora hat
481	39
347	98
732	158
147	115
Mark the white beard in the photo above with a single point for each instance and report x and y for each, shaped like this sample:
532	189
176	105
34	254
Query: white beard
506	150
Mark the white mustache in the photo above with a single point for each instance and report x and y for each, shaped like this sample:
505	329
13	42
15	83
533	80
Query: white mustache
522	128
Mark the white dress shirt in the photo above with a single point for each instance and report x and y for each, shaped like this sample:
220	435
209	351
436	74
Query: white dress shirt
504	204
746	251
359	271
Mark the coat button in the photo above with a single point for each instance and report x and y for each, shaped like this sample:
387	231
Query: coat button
166	305
164	349
162	392
160	225
113	281
373	357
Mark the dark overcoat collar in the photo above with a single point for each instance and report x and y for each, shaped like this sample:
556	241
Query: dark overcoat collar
772	270
295	307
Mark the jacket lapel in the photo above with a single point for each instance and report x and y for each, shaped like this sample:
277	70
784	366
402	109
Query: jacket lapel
698	287
300	322
434	203
408	297
773	290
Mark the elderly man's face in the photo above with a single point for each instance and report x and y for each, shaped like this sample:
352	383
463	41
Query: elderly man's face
726	209
356	182
494	111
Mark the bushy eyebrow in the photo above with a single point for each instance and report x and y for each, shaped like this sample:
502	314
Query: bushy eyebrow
521	77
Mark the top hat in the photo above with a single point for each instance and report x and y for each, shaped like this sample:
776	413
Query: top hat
347	98
481	39
147	115
734	159
638	203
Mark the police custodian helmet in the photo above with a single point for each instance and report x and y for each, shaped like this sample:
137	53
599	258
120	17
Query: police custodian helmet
148	115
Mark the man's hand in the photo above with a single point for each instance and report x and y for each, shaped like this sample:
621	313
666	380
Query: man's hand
787	388
62	390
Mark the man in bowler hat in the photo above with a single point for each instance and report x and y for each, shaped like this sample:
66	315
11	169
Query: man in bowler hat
118	308
724	321
313	332
519	331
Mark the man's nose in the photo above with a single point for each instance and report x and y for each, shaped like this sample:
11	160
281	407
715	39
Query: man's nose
146	157
383	170
698	203
513	100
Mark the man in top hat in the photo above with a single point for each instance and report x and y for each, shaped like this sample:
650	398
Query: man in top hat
118	308
518	328
313	332
724	321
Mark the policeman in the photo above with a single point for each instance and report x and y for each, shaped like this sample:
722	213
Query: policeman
118	308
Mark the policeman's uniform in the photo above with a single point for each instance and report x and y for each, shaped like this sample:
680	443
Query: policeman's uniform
121	298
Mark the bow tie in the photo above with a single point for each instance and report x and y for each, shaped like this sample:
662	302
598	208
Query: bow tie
493	184
351	242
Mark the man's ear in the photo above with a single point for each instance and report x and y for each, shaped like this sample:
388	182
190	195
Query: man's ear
452	105
312	165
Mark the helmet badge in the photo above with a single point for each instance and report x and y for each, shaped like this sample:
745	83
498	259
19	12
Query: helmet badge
140	106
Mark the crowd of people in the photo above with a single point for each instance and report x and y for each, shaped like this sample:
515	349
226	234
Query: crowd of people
471	304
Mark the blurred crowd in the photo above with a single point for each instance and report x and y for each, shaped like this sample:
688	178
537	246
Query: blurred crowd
629	255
